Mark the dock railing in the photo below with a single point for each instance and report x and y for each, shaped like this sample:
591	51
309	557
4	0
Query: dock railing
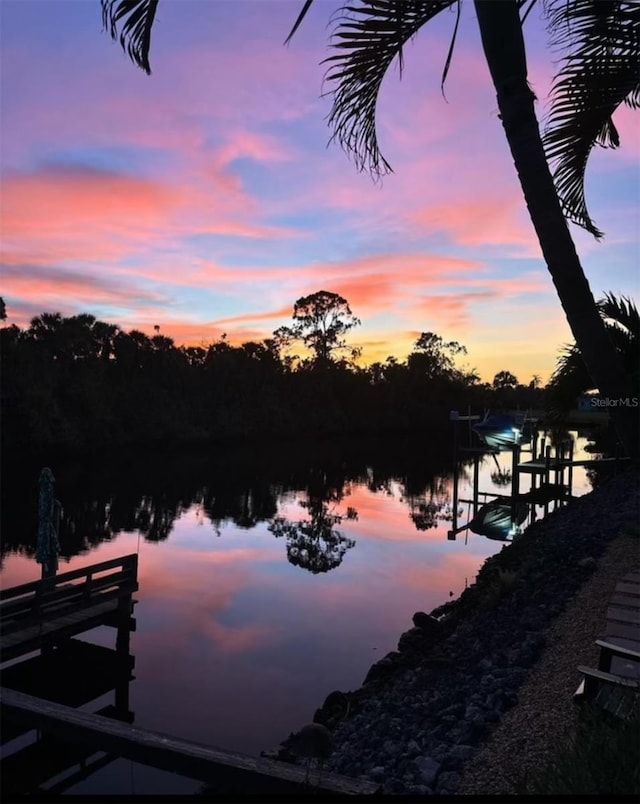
55	596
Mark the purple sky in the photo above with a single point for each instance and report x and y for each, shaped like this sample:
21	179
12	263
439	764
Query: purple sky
204	198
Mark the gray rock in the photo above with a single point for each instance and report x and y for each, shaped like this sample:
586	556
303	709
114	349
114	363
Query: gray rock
420	790
463	733
428	768
388	666
427	623
377	774
448	782
455	709
394	787
473	713
461	752
417	640
588	563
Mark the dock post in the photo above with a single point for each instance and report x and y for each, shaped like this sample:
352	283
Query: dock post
570	473
476	482
547	474
454	520
515	481
125	609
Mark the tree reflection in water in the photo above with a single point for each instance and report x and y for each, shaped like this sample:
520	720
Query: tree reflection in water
147	491
430	506
314	543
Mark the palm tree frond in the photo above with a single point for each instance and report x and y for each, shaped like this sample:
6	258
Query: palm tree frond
622	313
368	37
135	19
452	45
571	379
568	382
600	43
633	99
527	11
298	22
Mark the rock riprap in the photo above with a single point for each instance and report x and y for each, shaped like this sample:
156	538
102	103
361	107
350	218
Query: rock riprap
424	709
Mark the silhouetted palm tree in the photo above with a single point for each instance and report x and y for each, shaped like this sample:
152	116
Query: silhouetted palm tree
571	378
600	67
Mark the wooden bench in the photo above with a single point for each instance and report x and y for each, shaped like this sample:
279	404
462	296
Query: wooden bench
615	684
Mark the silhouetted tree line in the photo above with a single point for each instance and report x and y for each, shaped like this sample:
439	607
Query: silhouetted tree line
77	382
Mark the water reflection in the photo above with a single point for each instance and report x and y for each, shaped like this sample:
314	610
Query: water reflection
499	520
314	543
238	643
243	488
547	460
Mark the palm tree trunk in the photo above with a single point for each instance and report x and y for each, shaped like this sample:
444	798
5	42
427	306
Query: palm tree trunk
503	44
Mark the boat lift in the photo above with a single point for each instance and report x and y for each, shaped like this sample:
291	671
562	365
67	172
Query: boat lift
501	516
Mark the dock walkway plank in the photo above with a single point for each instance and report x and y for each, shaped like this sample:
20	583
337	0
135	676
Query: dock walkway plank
194	760
50	626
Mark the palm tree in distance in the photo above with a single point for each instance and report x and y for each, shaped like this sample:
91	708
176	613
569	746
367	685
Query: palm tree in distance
571	379
599	70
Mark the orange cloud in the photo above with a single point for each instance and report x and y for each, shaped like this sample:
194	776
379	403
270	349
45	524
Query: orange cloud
66	213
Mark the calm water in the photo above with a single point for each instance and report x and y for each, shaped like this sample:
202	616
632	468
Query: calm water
268	578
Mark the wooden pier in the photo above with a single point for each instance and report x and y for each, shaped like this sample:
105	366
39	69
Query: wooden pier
43	691
225	769
34	615
44	618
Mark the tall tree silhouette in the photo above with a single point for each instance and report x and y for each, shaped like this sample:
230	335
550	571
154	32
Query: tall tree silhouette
321	320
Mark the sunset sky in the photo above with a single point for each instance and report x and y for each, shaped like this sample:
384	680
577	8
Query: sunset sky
204	198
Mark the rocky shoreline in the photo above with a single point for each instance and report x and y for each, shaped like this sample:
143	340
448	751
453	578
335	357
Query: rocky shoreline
425	709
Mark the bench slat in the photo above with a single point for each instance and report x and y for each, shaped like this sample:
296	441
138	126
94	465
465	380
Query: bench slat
591	672
623	615
618	650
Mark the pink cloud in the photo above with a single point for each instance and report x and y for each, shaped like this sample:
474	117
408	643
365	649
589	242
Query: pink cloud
33	289
249	145
63	213
491	221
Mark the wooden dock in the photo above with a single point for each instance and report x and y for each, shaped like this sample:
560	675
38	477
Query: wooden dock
42	692
27	770
541	465
223	770
548	467
44	612
74	674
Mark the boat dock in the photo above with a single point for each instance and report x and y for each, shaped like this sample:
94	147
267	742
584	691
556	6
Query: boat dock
548	466
43	692
41	613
